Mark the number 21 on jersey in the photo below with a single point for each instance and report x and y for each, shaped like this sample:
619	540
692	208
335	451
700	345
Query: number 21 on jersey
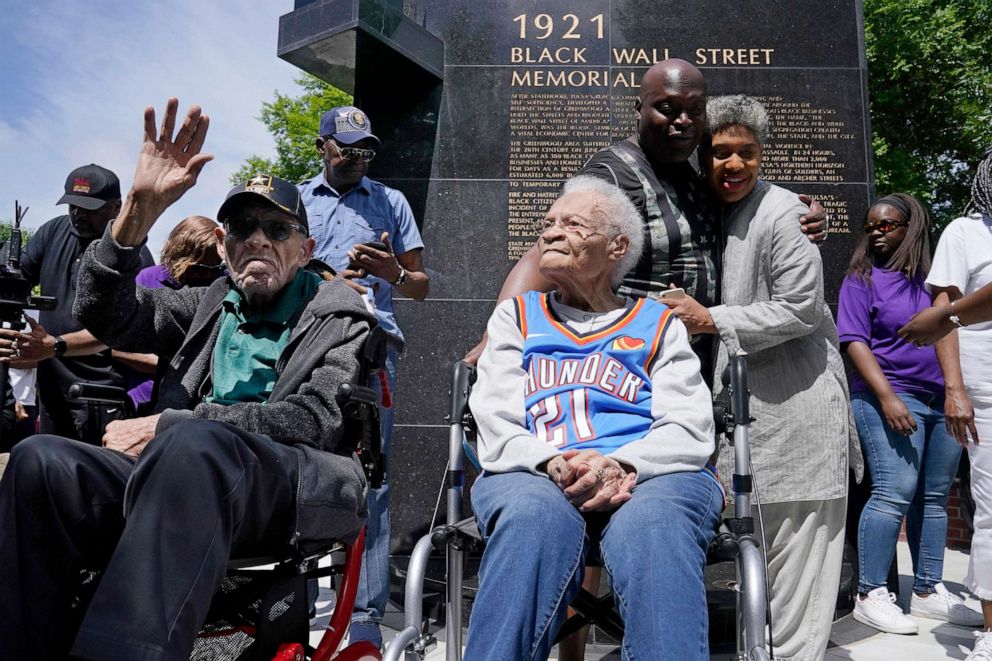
551	419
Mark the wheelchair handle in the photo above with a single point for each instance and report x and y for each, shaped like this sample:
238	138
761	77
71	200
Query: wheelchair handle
735	377
349	392
92	392
462	377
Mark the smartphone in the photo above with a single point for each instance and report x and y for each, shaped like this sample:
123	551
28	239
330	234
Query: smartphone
678	292
378	245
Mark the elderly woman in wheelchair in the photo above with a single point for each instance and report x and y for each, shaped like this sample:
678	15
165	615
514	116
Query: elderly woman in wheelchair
595	427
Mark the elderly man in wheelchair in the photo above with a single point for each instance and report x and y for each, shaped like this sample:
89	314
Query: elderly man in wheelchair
595	427
239	457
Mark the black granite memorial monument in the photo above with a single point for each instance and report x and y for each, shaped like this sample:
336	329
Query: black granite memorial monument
486	107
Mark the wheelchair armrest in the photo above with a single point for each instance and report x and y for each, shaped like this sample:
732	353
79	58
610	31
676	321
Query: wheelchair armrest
735	380
721	410
462	377
360	413
95	393
350	392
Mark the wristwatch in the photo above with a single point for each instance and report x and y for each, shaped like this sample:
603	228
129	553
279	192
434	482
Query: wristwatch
60	346
401	278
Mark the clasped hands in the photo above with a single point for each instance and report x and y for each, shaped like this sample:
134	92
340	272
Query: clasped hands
130	436
590	481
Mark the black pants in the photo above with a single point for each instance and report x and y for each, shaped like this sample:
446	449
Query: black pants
161	529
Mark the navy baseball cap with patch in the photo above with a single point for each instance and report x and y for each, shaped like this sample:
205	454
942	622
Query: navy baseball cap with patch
269	190
347	125
90	187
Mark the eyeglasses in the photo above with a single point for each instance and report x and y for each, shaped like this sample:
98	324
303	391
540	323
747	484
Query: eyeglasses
571	224
885	226
242	228
352	153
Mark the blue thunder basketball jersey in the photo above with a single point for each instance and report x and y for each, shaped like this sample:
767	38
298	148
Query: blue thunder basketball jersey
589	391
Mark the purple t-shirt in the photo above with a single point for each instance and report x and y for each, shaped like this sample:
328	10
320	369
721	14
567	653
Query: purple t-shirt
156	277
873	313
151	277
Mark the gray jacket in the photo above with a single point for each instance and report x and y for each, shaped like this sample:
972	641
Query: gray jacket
182	326
774	313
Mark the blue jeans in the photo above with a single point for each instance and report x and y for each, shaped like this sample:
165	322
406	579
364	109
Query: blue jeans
373	582
653	547
911	477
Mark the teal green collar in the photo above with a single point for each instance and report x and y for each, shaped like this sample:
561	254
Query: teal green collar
286	305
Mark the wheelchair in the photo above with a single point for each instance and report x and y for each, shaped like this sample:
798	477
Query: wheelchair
262	610
735	541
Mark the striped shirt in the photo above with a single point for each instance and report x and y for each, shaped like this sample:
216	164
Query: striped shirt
680	235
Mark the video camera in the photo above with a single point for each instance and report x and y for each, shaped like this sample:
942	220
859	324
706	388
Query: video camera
15	289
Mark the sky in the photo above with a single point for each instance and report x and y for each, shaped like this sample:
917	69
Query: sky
76	77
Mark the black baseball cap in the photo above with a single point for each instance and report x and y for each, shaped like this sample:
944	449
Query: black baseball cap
90	187
267	189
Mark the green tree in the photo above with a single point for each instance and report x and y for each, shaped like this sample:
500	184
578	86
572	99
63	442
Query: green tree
5	228
294	122
930	83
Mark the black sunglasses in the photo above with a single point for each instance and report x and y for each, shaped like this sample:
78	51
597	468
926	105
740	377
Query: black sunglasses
276	230
352	153
885	226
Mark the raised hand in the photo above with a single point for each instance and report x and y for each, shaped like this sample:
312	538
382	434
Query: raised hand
168	166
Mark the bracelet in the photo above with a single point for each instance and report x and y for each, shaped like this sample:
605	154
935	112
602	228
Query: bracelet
401	278
954	318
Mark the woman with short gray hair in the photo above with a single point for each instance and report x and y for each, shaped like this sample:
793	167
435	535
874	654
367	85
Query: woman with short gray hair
624	219
595	427
773	312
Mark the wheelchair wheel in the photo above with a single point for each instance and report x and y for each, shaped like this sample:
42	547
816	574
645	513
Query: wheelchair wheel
752	604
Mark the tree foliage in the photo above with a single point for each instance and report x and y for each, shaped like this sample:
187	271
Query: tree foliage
5	228
930	83
293	122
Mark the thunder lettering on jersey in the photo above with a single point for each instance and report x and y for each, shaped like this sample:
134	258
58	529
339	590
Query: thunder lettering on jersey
589	391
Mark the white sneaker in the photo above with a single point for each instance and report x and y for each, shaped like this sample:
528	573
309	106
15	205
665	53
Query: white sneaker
983	647
942	605
879	610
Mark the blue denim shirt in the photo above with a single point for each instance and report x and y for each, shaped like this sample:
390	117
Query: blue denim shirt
338	222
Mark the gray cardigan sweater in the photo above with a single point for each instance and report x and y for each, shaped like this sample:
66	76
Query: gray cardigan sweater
182	326
774	313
